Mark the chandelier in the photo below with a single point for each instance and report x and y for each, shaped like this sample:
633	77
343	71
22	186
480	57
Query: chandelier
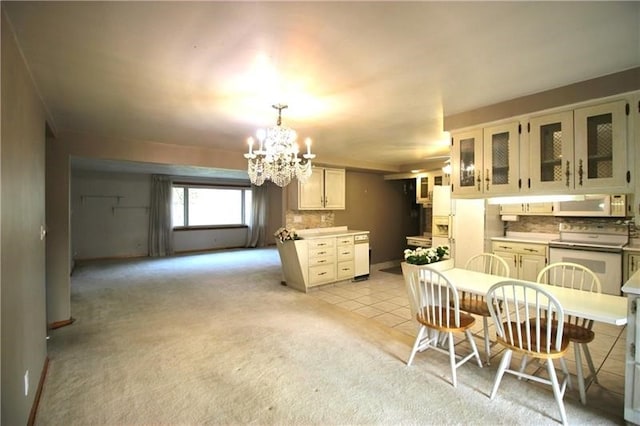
277	158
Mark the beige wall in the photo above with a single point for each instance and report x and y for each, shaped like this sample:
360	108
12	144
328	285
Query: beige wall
381	207
22	252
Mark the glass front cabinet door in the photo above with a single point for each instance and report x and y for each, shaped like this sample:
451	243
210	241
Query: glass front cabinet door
500	160
466	163
601	146
581	149
551	152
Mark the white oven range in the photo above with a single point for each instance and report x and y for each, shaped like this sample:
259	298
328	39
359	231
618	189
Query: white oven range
596	246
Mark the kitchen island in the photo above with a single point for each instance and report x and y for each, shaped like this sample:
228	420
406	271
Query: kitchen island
324	256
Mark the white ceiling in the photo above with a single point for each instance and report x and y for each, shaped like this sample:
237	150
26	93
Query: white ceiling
370	80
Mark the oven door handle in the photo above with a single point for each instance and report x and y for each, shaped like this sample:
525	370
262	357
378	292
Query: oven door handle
577	247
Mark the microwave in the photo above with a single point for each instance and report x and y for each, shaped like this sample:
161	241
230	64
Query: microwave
616	205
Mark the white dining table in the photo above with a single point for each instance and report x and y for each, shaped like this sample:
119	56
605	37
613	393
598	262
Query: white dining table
600	307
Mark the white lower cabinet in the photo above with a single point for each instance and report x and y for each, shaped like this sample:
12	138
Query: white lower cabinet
345	258
312	262
525	260
631	264
322	261
631	290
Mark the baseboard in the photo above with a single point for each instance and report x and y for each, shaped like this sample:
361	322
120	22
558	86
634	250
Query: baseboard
63	323
36	400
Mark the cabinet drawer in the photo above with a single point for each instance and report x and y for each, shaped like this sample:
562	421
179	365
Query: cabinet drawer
520	248
321	243
322	274
345	241
346	270
345	253
322	252
322	260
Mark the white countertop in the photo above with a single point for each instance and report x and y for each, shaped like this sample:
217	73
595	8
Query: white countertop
334	231
527	237
420	237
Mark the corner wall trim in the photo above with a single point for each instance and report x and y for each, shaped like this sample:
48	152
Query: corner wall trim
36	400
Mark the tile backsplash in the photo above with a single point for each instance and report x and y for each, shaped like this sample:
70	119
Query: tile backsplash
550	224
300	219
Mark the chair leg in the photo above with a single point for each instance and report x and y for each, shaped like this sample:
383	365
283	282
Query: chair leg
487	343
556	390
474	347
567	376
504	363
452	360
416	344
523	365
580	374
587	355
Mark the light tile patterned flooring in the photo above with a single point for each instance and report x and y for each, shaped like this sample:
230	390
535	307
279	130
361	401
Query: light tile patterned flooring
383	298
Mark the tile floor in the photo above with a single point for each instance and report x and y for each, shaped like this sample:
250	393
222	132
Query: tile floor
383	298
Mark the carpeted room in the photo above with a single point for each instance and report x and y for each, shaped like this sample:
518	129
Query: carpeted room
214	339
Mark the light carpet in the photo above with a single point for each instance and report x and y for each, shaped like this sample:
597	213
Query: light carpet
216	339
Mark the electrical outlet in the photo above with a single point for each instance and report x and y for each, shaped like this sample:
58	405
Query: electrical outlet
26	383
297	219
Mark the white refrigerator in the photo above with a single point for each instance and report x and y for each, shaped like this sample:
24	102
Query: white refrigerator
472	224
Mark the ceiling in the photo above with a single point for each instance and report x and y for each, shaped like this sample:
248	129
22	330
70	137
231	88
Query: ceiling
369	81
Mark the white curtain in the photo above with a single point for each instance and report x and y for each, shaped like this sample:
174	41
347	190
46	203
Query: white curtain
160	228
256	237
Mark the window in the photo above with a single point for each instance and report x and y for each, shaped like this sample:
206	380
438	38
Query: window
201	205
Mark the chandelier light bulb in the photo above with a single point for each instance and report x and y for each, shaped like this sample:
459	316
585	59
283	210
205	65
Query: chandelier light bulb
250	142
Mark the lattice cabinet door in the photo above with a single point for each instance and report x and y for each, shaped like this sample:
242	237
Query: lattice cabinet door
551	164
601	146
501	159
466	162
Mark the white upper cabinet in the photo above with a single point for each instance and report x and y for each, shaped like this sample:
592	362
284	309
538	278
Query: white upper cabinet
334	189
583	149
501	156
485	161
425	183
550	152
601	146
324	190
466	163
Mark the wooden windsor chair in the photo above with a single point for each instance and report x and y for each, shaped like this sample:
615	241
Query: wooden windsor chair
578	330
475	303
436	303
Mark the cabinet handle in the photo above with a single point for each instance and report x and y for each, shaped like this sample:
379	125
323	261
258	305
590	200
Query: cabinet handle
479	180
322	273
521	262
487	178
505	247
580	171
632	350
530	250
515	260
567	173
